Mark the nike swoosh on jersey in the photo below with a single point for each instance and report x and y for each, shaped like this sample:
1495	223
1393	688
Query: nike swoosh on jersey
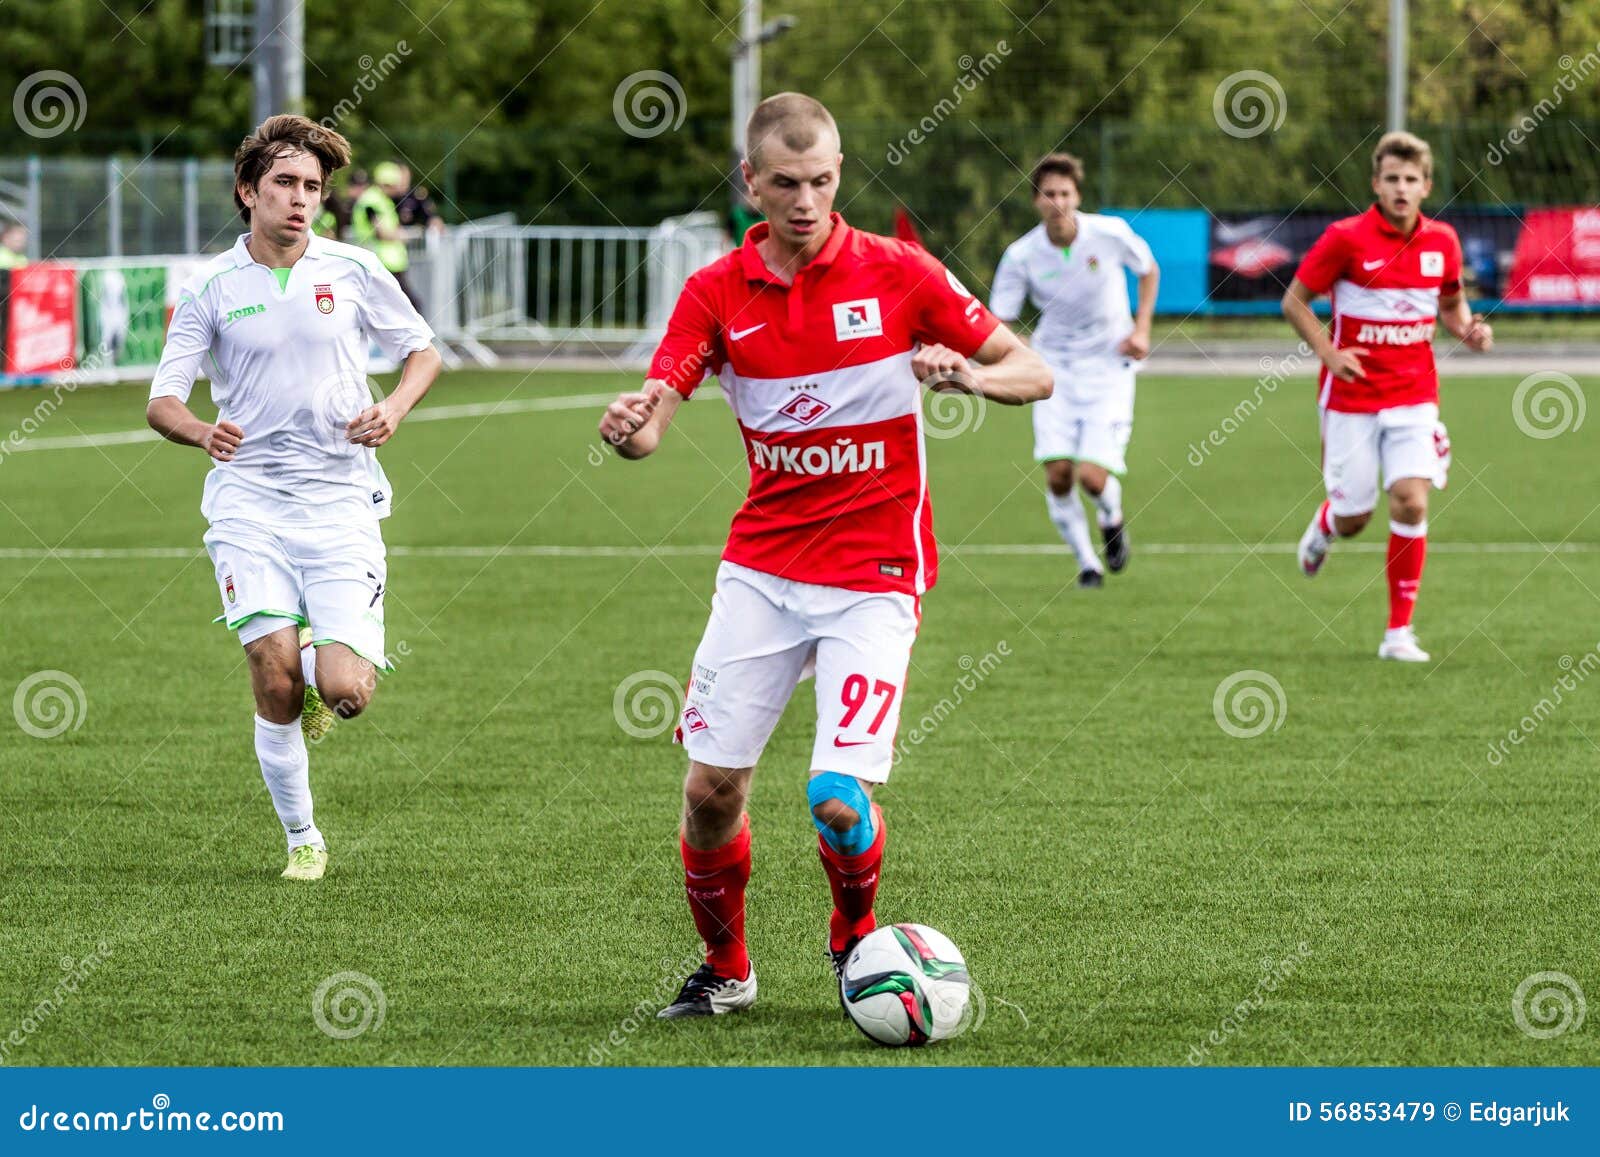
1370	265
736	334
837	742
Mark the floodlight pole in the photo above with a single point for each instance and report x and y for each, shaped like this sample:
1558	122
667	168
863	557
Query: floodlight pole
746	60
1398	39
279	67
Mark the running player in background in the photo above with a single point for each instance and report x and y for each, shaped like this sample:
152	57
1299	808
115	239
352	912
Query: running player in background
283	321
823	337
1391	272
1070	266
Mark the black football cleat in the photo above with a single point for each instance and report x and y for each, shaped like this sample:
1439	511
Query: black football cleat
1116	539
1091	580
707	994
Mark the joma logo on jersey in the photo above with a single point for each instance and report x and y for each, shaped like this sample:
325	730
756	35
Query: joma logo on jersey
845	456
245	311
1378	333
853	319
805	409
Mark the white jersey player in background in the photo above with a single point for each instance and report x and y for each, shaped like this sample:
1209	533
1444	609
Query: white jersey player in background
282	324
1070	266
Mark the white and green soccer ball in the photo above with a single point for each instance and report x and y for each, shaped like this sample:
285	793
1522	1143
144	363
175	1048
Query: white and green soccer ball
906	984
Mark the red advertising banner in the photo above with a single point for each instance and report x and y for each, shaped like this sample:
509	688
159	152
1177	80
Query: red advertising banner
1557	259
41	319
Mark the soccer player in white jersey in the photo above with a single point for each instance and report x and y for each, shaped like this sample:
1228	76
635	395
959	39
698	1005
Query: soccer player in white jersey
1070	266
281	324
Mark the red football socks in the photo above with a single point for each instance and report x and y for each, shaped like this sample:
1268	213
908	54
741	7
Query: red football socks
854	881
1408	550
715	881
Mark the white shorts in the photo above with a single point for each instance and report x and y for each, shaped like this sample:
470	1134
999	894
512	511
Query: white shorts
329	578
1403	441
765	635
1094	431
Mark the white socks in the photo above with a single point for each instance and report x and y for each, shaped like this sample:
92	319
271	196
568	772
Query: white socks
308	665
1066	511
282	751
1109	501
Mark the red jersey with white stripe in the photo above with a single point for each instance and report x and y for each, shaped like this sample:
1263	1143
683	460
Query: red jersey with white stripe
1386	289
818	374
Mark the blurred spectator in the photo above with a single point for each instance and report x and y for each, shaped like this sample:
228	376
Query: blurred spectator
375	225
333	220
13	246
416	208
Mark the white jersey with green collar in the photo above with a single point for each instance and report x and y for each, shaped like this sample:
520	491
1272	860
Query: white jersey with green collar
288	366
1079	290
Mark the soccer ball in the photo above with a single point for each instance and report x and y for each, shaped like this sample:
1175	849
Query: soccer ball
906	984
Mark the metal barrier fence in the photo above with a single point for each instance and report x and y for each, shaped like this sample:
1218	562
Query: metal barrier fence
120	206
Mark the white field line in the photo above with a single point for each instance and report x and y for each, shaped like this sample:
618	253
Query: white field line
709	550
595	402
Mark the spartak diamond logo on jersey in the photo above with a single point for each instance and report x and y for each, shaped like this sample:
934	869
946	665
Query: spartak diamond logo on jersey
324	298
805	409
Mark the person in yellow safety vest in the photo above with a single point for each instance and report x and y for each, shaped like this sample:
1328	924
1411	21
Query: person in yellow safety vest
13	246
375	225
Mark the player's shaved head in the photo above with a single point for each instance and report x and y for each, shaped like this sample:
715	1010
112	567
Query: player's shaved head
1403	147
793	119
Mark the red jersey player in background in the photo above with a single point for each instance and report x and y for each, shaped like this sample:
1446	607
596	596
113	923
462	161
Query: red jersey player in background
1391	272
822	336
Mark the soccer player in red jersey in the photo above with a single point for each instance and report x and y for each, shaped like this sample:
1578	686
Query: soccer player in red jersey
822	336
1391	272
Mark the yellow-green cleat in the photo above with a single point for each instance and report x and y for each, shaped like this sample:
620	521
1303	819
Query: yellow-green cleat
316	717
306	863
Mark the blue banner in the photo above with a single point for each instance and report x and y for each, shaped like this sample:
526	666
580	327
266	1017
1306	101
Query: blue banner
660	1112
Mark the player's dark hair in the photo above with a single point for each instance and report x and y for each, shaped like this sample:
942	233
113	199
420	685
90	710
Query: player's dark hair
1404	147
281	136
1058	165
791	117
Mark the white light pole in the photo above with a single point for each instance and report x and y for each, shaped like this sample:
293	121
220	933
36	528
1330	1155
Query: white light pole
1398	38
746	57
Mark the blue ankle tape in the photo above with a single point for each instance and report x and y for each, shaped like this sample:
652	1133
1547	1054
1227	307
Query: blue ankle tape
846	789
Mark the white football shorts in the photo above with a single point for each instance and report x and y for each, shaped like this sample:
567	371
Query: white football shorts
765	635
1088	417
1402	442
330	578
